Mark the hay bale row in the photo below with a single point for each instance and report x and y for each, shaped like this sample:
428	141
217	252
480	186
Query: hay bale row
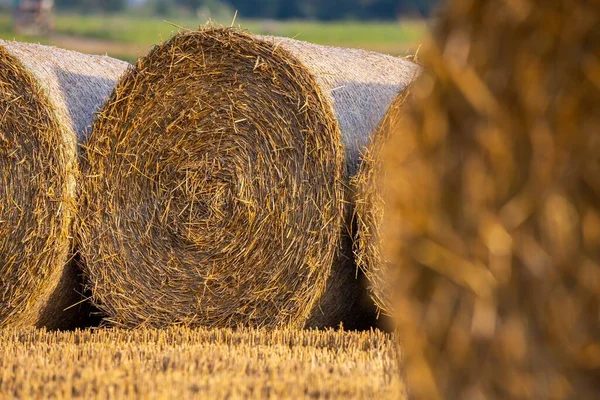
216	182
493	204
47	100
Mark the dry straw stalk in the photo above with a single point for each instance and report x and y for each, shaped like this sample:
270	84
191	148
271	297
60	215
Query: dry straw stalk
47	100
494	204
216	181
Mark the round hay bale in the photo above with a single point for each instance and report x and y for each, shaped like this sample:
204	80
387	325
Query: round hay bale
369	210
215	181
47	99
493	217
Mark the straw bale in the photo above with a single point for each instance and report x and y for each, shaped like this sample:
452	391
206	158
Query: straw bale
369	210
216	182
47	100
493	213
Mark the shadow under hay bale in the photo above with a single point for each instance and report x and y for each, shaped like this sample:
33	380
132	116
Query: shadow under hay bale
493	217
216	182
47	100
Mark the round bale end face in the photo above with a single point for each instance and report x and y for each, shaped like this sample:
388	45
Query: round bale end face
212	188
48	101
216	187
369	209
34	211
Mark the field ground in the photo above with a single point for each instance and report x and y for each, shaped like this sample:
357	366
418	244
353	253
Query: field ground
129	37
183	363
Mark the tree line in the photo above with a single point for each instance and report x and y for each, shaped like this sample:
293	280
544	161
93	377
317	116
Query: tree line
273	9
332	9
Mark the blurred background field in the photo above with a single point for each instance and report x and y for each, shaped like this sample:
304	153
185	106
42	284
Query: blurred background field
127	30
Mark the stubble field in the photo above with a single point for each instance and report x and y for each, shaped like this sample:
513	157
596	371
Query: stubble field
183	363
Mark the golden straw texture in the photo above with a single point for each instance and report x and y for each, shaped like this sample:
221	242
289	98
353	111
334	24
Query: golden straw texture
215	182
493	214
47	99
180	363
369	210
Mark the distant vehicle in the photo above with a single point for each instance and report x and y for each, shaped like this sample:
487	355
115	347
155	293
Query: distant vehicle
34	17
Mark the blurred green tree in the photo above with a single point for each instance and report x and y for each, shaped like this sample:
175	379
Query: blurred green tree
193	5
92	5
333	9
114	5
277	9
162	7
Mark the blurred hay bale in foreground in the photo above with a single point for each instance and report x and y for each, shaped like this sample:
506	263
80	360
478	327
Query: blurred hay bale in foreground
47	100
216	182
493	218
